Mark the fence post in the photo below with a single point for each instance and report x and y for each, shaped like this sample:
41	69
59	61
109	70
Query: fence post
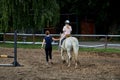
33	38
4	37
15	63
106	36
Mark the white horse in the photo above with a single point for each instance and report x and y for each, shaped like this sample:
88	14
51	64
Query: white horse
69	45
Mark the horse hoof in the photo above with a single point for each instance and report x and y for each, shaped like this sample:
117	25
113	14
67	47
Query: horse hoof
75	67
68	66
64	61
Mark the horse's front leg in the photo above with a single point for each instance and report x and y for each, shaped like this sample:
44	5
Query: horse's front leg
62	51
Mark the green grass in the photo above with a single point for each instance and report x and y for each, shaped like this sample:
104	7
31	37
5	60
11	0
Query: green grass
110	50
25	46
38	46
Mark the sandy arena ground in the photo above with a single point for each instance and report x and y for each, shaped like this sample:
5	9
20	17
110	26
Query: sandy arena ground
92	66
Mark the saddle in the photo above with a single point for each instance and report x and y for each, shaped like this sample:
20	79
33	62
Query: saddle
67	35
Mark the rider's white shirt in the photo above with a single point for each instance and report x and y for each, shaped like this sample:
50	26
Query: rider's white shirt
67	29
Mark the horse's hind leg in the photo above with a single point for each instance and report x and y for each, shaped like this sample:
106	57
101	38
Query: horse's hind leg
69	58
76	58
76	61
62	56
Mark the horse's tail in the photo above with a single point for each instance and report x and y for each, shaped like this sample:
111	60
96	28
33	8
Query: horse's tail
75	47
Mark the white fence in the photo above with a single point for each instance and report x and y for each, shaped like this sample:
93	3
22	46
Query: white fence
105	43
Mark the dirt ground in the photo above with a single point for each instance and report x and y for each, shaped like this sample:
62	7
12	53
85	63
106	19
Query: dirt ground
92	66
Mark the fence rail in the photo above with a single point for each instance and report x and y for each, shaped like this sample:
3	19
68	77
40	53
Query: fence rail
104	43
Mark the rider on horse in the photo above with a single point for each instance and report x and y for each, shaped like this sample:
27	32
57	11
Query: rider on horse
67	29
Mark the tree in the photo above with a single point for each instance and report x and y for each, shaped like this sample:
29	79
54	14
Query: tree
34	15
28	15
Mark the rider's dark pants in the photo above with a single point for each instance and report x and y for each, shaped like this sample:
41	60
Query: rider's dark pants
62	40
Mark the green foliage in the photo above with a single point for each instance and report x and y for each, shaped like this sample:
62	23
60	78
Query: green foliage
34	15
25	15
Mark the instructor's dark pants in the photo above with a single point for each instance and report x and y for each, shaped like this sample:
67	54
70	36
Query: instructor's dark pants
48	52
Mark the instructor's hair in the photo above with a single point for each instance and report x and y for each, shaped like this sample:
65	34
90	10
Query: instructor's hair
47	32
